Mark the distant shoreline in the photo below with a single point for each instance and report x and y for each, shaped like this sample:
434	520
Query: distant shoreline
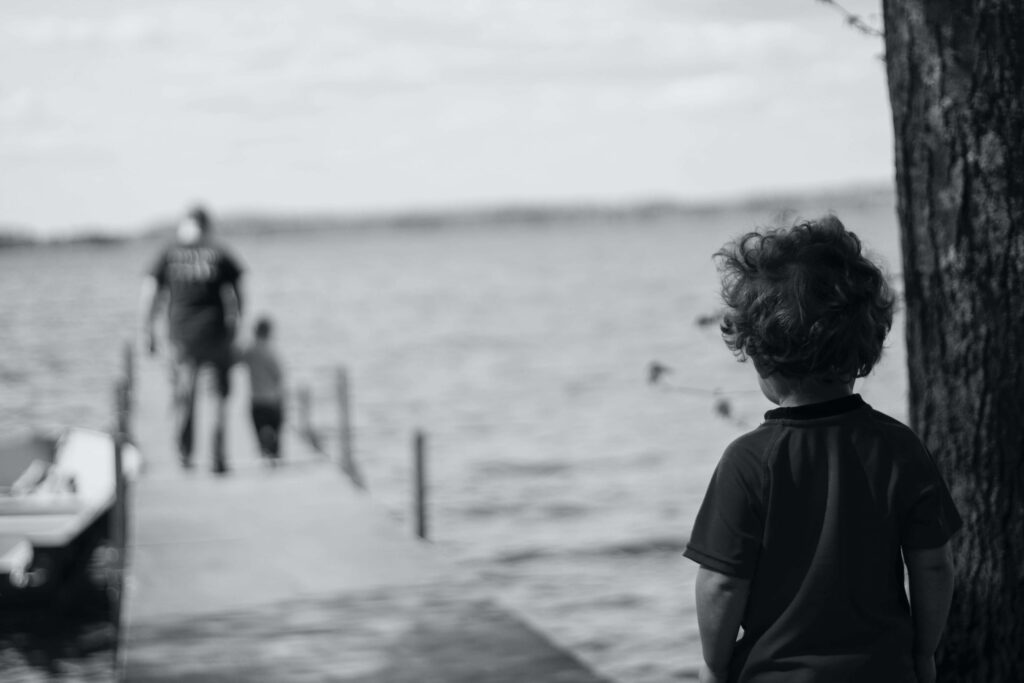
274	222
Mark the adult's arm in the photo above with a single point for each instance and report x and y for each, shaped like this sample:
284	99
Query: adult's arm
721	601
231	296
930	573
152	298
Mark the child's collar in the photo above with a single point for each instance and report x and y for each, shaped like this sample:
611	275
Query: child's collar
813	411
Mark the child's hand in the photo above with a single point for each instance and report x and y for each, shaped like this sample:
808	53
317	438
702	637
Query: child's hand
924	666
708	676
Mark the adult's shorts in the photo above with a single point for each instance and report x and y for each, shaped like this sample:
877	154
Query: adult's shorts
218	355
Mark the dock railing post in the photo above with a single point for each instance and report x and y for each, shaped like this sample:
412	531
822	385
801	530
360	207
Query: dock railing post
122	436
118	529
420	483
347	456
304	401
128	360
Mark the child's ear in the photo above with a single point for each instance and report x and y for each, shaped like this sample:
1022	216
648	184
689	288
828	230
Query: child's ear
762	370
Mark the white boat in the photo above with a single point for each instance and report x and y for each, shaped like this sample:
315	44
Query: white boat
56	498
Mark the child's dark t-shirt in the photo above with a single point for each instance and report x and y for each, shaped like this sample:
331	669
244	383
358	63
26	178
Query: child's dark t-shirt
814	507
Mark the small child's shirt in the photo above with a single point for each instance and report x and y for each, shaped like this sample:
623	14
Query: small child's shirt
814	507
266	377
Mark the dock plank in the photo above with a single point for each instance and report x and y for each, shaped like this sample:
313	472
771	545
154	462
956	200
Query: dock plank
208	545
292	574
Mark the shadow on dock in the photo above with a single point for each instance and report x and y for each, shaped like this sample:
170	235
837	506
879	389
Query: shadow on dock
412	635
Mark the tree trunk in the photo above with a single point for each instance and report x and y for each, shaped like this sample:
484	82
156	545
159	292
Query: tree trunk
956	83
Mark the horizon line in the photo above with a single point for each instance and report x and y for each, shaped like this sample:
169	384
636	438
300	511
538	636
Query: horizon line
496	211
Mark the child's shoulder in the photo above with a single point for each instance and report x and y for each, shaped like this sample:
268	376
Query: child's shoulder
750	450
757	438
248	353
895	431
263	353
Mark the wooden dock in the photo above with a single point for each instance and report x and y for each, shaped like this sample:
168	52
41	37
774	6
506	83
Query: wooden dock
292	574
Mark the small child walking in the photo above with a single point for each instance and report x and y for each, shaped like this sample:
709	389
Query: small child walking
266	379
810	518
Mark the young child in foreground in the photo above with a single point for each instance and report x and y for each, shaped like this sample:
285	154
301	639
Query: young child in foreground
266	380
809	519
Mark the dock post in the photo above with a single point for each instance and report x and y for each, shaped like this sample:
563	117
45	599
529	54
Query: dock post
420	485
118	521
122	403
128	359
304	399
118	513
348	461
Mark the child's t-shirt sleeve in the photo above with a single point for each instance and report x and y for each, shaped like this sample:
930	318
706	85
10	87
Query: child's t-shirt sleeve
930	517
729	527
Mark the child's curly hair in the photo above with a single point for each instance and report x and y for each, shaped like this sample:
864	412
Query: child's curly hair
804	301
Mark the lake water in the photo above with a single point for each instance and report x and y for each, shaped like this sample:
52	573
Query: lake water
559	476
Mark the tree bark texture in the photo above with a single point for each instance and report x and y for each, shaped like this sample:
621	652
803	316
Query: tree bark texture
956	84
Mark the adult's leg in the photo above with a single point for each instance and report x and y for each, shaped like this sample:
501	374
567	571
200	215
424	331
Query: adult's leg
220	461
184	371
222	370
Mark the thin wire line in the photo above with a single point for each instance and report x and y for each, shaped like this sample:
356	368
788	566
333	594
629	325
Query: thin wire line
855	20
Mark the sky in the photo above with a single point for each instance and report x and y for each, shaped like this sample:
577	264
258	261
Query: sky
118	113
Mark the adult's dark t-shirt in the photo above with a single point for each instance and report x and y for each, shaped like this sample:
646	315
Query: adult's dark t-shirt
814	507
193	276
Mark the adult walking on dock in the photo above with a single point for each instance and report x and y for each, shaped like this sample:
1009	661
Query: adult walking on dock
200	281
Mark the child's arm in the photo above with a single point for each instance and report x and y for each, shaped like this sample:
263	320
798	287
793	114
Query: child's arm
721	601
931	591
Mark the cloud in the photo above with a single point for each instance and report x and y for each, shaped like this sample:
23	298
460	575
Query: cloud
710	91
547	91
19	106
45	31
